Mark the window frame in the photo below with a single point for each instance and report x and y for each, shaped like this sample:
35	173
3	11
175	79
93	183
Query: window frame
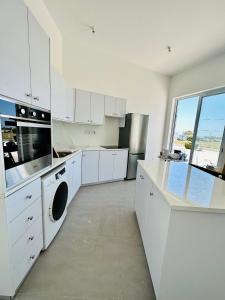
200	96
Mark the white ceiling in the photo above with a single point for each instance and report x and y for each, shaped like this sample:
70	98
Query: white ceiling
139	31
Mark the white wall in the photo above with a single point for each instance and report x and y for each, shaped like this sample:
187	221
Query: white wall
208	75
41	13
146	91
66	135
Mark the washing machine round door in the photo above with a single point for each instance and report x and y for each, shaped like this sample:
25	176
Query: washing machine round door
59	202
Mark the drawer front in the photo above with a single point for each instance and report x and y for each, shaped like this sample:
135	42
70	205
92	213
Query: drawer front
22	198
20	225
27	241
24	264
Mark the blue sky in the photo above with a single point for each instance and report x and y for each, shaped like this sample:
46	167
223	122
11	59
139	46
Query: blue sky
212	119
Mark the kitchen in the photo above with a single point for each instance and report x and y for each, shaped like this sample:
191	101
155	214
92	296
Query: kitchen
81	106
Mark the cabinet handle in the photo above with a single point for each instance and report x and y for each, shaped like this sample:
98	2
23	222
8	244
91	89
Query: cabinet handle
30	218
32	257
67	117
151	194
28	196
142	177
36	98
73	162
28	94
31	238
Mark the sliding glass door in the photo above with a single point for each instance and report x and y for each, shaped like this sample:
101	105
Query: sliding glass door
208	146
199	129
184	125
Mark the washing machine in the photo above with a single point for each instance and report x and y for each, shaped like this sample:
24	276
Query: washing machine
55	200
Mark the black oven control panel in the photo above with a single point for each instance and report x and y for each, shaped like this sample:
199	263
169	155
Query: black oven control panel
22	111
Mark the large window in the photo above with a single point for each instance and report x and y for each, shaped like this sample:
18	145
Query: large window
186	111
199	129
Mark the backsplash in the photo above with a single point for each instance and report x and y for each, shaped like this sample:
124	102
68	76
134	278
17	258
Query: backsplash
66	135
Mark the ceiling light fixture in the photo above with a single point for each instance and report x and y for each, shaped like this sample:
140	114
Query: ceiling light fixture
169	49
92	27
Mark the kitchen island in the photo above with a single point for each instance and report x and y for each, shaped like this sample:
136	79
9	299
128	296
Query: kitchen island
181	215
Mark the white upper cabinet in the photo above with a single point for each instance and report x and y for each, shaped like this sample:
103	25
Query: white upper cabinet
89	108
97	109
115	107
83	107
120	107
39	64
69	103
14	51
63	98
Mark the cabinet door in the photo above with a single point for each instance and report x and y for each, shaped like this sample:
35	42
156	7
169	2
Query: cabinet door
97	109
140	199
110	106
120	164
77	173
83	107
90	167
106	164
14	51
69	103
120	107
57	95
39	64
70	176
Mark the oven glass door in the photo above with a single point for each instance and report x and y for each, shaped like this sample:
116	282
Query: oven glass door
24	142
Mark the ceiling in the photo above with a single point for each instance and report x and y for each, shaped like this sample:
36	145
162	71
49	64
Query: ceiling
139	31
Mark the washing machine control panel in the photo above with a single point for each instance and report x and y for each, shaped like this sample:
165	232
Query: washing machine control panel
60	173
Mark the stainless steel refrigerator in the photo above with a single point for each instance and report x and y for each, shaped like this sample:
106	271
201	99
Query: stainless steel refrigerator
133	136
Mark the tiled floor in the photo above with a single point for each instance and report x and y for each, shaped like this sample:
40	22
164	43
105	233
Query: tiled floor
98	253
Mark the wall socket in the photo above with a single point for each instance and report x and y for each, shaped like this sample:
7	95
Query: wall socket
89	132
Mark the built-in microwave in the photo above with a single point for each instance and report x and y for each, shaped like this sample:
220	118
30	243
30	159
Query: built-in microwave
26	141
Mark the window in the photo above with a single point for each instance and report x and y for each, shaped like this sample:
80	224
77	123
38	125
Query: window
186	110
199	129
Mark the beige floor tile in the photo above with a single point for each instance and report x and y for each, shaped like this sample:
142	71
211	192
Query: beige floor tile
97	254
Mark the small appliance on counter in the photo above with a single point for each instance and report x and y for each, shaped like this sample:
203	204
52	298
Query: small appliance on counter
134	136
26	141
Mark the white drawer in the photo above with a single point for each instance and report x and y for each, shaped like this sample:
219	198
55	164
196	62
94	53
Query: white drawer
24	264
27	241
22	198
19	226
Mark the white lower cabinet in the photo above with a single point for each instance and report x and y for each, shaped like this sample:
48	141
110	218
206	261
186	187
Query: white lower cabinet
90	167
25	235
74	175
106	165
112	164
120	164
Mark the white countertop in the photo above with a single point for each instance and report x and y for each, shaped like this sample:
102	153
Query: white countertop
55	163
185	186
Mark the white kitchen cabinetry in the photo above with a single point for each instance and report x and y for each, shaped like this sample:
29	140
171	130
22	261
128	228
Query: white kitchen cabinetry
115	107
21	236
97	109
90	167
83	107
24	56
14	51
74	175
112	164
120	164
63	98
106	165
89	108
39	64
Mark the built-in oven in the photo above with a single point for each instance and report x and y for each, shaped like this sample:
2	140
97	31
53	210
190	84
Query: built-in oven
26	141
